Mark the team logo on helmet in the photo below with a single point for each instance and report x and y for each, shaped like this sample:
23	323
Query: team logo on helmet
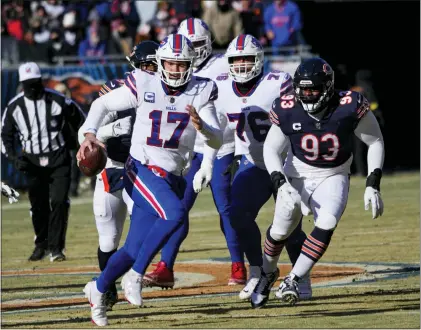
327	68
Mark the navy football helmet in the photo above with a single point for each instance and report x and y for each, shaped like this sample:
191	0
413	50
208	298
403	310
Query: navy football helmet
144	54
313	84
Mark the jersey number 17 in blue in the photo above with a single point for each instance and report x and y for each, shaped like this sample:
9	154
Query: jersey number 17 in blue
172	117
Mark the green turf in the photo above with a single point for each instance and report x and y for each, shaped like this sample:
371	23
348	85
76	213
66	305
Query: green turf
394	237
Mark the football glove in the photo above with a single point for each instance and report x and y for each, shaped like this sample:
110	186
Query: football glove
202	177
372	193
278	179
10	193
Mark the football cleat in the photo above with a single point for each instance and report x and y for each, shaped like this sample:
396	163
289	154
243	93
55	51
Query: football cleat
255	272
111	297
132	286
261	292
56	256
288	290
97	302
161	277
304	288
238	274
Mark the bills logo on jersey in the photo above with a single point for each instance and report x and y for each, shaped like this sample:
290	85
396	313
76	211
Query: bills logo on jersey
149	97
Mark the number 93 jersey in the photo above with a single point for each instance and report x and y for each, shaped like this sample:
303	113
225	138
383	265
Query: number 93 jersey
327	143
248	114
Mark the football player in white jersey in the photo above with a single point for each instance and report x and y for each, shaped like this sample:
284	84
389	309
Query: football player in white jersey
172	106
109	202
318	123
246	95
209	66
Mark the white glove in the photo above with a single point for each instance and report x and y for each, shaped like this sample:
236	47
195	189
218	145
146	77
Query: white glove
373	196
289	195
122	126
10	193
202	177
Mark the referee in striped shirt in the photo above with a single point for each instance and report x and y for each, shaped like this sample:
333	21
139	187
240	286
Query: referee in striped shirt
46	123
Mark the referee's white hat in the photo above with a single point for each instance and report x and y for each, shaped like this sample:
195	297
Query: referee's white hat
29	70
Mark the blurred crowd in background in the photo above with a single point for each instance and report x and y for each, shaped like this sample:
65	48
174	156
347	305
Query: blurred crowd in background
44	31
40	31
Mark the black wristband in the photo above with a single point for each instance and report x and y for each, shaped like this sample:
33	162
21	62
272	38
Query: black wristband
373	180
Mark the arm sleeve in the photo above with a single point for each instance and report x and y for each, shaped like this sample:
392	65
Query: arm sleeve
117	100
8	133
368	131
210	130
274	145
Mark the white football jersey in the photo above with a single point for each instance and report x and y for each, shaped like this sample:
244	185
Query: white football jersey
212	68
248	115
163	134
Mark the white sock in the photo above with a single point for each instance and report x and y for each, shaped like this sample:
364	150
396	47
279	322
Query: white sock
303	266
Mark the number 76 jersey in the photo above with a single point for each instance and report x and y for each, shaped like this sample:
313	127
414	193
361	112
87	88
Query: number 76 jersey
248	114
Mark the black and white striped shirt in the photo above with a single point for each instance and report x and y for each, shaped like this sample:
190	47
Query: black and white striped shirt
42	125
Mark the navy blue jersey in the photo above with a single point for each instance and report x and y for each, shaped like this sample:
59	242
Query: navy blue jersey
118	147
325	143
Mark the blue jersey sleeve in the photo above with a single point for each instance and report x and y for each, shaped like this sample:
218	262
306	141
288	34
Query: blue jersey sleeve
110	85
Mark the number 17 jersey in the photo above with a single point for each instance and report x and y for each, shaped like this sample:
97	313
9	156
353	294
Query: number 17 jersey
248	114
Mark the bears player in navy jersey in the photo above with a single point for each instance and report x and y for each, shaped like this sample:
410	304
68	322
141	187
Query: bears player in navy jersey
318	123
110	200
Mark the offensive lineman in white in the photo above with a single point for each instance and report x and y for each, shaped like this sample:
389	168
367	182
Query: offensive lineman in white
209	66
245	97
318	123
162	145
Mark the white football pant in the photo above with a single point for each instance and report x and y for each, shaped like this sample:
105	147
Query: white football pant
110	212
325	197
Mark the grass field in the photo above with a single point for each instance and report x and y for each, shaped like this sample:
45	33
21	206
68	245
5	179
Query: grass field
368	278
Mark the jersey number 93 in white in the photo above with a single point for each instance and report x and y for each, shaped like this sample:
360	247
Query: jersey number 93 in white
311	145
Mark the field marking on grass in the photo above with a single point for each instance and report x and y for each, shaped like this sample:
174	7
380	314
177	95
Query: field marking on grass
371	273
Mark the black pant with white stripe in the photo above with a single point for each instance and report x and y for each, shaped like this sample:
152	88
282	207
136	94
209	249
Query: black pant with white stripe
48	188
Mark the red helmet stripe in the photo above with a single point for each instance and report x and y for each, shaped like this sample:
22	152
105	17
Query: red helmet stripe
190	25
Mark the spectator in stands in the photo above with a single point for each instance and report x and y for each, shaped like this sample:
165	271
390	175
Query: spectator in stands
9	47
364	85
224	22
72	30
13	15
251	13
283	25
164	23
57	46
53	8
92	46
39	25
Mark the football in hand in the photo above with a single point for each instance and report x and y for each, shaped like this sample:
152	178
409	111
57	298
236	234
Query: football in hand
94	161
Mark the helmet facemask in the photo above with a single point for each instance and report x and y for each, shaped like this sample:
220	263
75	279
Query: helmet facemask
245	71
314	103
170	78
202	48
